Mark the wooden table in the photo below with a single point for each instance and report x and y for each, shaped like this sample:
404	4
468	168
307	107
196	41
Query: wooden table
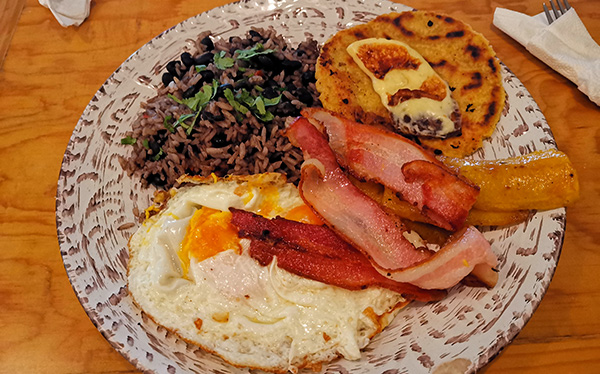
51	73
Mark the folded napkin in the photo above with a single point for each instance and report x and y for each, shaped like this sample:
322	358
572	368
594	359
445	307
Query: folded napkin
68	12
565	45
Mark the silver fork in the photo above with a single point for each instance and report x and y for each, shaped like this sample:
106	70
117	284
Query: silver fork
562	9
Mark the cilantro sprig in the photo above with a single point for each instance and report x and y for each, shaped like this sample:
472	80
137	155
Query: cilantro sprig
222	62
128	140
243	102
247	54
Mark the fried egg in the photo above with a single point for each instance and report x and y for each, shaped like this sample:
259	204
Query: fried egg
189	271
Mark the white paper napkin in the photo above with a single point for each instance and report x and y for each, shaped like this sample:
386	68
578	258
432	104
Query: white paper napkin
565	45
68	12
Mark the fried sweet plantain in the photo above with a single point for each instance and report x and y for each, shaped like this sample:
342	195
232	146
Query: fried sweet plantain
539	180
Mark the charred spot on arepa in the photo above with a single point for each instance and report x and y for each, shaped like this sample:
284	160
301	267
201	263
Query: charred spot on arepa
492	64
455	34
474	50
398	23
476	81
491	110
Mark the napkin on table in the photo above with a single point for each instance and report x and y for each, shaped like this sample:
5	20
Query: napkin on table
68	12
565	45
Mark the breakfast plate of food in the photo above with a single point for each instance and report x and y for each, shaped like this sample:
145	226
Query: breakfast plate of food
287	186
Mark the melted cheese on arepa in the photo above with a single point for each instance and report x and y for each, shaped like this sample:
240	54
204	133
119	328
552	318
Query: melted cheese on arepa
408	86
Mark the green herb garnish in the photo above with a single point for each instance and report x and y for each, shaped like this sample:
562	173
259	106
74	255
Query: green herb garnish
167	124
200	68
273	101
158	155
235	104
182	118
254	51
181	121
175	99
128	140
267	117
215	86
191	127
199	100
245	97
222	62
259	104
145	144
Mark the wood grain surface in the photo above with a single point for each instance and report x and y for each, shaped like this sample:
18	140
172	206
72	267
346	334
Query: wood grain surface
51	73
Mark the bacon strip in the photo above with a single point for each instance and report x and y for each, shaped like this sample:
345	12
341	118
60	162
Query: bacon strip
467	251
375	154
350	213
359	220
317	253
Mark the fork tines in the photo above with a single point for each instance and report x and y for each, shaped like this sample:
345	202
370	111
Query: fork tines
562	9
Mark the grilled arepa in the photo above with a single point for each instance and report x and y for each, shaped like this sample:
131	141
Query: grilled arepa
461	56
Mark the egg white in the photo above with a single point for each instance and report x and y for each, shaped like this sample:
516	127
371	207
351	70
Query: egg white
250	315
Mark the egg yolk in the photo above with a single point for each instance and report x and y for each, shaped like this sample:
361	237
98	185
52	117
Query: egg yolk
304	214
269	204
208	233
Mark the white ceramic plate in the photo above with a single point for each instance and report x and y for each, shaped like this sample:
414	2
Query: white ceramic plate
96	199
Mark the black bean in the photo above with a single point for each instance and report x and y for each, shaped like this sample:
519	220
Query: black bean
308	77
204	59
207	41
271	83
275	156
167	78
266	62
270	93
291	65
219	140
303	95
242	83
255	34
190	92
290	87
154	146
172	68
207	76
285	109
208	116
222	88
157	179
187	59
